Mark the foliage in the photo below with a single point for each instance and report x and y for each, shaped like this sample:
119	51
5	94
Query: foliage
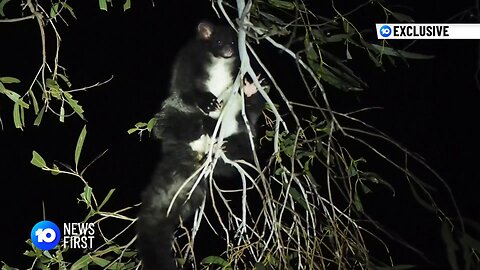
304	208
50	89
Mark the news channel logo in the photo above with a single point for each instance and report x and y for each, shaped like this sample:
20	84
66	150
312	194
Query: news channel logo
385	31
45	235
415	31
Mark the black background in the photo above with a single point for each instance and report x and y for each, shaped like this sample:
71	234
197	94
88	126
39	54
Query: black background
430	106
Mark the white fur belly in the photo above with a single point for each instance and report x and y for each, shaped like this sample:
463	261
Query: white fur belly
219	75
201	144
233	108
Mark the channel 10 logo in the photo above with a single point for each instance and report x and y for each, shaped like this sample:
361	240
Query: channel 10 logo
45	235
385	31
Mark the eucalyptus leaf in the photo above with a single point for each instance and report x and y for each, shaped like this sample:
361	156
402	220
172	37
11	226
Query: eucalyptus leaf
8	79
52	84
282	4
65	79
34	101
86	195
399	53
151	123
37	160
70	9
74	104
100	261
78	148
54	10
39	117
215	260
357	203
82	262
14	97
16	116
62	114
102	4
297	196
106	198
140	125
127	5
338	37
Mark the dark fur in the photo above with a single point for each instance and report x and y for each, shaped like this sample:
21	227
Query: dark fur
184	118
237	146
155	229
190	69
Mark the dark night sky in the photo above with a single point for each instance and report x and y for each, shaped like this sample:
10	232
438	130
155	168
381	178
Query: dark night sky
429	106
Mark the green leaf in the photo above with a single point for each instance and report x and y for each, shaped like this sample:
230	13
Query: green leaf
17	120
74	104
215	260
338	37
82	262
14	97
22	115
279	171
100	261
62	114
365	188
37	160
86	195
65	78
132	130
55	170
259	266
53	87
339	79
297	196
39	117
106	198
352	171
34	101
399	53
70	9
282	4
102	4
47	254
151	123
127	5
8	79
29	253
54	10
357	202
78	149
140	125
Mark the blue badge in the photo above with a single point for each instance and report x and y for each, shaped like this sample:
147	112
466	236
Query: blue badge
45	235
385	31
